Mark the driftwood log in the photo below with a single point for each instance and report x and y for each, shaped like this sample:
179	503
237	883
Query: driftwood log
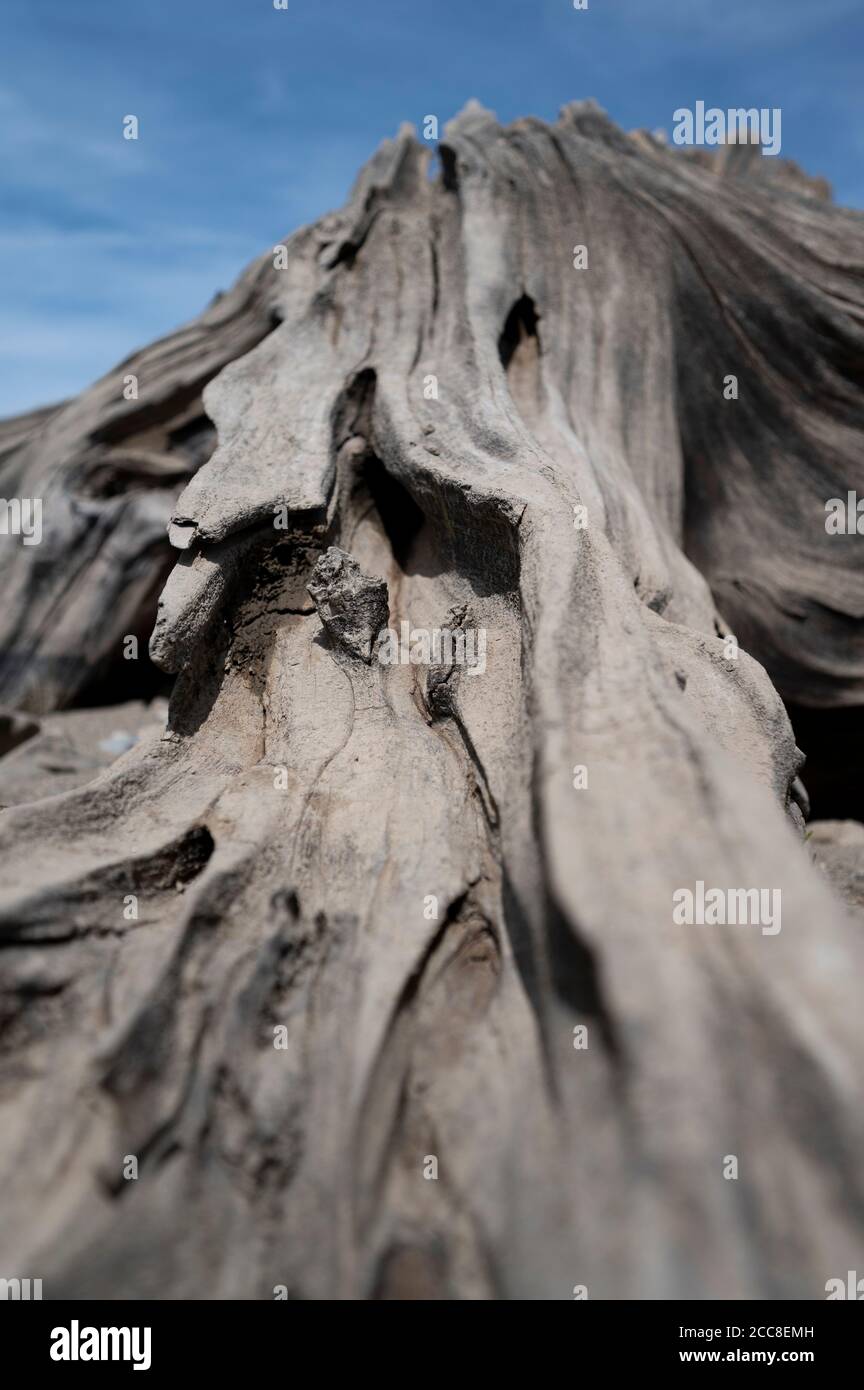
369	970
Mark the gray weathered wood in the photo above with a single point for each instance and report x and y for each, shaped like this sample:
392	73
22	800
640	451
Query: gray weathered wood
391	862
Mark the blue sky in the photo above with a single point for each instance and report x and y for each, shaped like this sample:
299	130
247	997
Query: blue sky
254	121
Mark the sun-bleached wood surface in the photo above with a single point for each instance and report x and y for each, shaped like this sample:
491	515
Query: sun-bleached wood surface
375	916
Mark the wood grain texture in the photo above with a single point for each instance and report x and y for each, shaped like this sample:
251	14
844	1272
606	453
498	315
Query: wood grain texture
285	833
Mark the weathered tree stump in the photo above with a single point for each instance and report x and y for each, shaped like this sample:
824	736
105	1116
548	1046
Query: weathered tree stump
372	967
